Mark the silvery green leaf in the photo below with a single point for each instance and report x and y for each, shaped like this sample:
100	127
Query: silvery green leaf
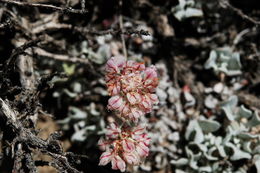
234	62
79	135
56	79
233	72
193	158
92	109
210	102
77	87
257	165
103	52
237	153
246	136
205	169
82	134
179	171
257	162
77	113
244	112
247	146
65	123
211	62
228	107
202	147
209	125
228	136
69	93
185	10
90	128
210	152
182	4
101	91
193	12
231	102
180	162
180	15
84	47
221	151
160	161
147	167
215	166
194	132
235	128
257	149
229	113
93	56
254	121
241	170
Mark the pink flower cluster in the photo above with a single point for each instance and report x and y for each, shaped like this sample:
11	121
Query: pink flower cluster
132	87
124	145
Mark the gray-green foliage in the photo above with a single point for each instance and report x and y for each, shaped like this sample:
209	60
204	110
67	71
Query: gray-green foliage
224	60
85	122
209	150
187	9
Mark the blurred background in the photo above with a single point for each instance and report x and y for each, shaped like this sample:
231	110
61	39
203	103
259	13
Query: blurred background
208	61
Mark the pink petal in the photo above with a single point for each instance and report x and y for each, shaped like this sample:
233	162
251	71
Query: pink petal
113	131
135	114
154	98
131	158
113	88
142	150
128	145
150	73
140	129
133	97
124	109
115	102
118	163
105	158
103	145
146	102
114	64
138	66
120	60
111	66
130	64
150	79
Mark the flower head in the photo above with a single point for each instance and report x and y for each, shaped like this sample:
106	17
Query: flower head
127	147
131	86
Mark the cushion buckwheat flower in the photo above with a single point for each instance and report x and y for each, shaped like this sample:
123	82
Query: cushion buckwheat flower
131	86
128	147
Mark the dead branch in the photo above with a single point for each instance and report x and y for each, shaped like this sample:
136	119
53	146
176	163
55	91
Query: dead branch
226	4
5	24
46	6
60	57
26	138
21	49
122	28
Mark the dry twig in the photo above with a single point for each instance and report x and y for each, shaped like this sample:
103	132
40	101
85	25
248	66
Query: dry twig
27	138
46	6
225	3
60	57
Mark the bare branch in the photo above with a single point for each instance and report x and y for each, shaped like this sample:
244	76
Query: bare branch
31	141
122	28
225	3
46	6
60	57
